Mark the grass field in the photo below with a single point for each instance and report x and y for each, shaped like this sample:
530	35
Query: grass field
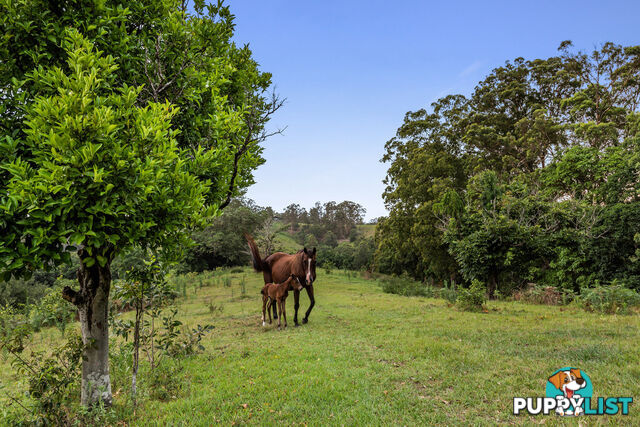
372	358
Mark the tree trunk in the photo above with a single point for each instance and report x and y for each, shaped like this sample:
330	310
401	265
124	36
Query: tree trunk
136	350
93	305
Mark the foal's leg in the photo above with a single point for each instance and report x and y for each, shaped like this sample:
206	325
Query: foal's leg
269	303
284	311
296	306
264	305
280	310
313	302
268	278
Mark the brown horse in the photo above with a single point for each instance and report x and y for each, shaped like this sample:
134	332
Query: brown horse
277	267
277	293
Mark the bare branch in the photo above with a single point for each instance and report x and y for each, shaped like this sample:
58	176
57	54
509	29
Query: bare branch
255	135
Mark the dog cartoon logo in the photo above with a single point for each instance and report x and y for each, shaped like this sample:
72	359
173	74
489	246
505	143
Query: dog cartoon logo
569	394
569	386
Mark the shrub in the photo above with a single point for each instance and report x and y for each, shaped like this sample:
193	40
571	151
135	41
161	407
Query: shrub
52	310
328	267
226	281
406	286
448	293
15	329
52	379
548	295
176	341
612	299
243	284
472	298
213	307
16	292
164	381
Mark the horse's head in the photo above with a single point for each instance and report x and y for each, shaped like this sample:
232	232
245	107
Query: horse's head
294	282
309	265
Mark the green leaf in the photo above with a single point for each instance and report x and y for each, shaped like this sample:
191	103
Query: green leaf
76	238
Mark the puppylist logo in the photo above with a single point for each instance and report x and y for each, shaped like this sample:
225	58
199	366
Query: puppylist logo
568	393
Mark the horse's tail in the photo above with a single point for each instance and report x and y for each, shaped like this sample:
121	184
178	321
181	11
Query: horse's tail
258	263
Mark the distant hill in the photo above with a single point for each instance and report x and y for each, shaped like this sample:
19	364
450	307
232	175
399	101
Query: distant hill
286	242
368	230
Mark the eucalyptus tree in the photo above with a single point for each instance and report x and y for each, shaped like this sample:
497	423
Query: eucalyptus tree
565	127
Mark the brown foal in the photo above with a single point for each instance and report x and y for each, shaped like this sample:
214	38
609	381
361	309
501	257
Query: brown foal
278	293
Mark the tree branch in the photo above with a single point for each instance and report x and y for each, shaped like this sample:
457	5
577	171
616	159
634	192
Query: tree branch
72	296
255	134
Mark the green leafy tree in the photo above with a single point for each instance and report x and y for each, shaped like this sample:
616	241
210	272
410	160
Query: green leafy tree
481	238
222	243
97	174
330	239
177	52
291	216
363	257
130	134
609	87
311	241
341	217
426	159
553	130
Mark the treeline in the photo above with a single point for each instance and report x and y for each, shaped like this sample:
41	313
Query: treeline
333	228
533	179
330	221
330	227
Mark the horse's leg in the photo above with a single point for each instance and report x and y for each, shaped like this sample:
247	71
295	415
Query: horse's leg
313	302
296	306
269	303
264	305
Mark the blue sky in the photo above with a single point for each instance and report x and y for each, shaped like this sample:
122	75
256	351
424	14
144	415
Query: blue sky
350	70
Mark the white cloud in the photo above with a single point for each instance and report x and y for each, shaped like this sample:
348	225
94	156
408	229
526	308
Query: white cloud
472	68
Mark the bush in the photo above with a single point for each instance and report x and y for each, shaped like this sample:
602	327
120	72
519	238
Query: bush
17	292
15	329
164	381
406	286
472	298
612	299
448	293
548	295
226	281
222	243
52	310
52	380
